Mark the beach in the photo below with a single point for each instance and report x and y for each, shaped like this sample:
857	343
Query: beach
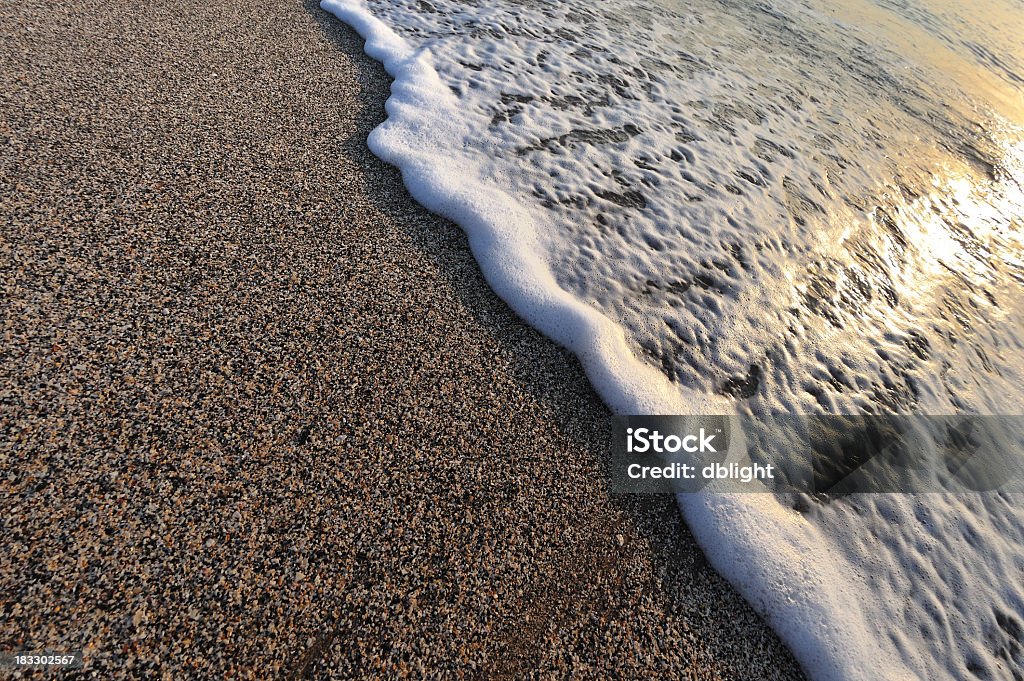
262	416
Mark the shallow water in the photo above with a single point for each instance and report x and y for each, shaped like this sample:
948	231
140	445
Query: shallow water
790	207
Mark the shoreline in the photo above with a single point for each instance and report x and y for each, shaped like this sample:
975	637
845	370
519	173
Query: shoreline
230	326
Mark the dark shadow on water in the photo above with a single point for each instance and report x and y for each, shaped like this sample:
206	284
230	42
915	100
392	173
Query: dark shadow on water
687	589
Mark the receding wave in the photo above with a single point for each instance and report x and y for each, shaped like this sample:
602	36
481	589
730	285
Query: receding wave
790	207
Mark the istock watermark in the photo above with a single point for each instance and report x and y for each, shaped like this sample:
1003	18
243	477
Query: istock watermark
641	440
823	455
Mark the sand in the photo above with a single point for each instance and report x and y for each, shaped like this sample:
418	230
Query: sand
262	417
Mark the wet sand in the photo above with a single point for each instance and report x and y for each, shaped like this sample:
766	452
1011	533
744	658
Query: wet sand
262	417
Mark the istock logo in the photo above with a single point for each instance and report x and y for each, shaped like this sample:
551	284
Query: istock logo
640	440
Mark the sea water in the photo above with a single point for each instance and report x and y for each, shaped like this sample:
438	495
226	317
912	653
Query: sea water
792	207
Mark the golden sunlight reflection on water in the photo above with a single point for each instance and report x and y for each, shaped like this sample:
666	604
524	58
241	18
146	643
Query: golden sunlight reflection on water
968	232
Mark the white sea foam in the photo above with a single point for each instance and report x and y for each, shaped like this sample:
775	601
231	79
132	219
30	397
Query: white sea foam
790	208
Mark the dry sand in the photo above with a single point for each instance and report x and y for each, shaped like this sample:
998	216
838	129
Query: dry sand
261	416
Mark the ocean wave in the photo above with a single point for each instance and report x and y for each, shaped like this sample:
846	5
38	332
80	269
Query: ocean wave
784	208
